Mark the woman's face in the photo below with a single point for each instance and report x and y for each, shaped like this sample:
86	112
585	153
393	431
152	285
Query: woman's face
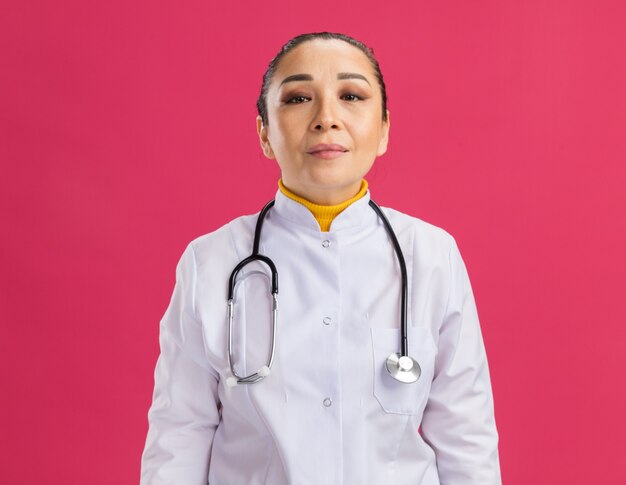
324	92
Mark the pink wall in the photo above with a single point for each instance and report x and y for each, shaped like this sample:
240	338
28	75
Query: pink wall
127	129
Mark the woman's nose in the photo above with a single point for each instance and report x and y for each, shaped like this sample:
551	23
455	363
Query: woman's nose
326	116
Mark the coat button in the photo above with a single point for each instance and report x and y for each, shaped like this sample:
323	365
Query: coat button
327	320
328	402
325	243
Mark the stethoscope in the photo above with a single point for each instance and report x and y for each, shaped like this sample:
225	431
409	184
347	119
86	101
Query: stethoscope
400	366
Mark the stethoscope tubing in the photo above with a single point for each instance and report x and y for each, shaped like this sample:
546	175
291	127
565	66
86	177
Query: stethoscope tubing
405	291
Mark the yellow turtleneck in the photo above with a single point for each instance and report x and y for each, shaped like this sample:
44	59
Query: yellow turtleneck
324	214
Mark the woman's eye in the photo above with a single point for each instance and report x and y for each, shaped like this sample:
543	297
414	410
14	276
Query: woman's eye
297	100
351	97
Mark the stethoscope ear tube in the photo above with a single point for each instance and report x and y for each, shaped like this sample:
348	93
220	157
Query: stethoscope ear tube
250	259
265	370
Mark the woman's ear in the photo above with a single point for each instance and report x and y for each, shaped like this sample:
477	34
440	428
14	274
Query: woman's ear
261	130
384	140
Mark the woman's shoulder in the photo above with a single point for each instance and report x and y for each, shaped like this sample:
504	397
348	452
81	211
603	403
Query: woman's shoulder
225	240
424	233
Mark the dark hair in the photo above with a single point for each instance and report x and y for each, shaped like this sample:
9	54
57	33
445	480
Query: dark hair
261	103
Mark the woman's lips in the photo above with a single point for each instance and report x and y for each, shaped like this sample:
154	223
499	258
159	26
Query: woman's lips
328	154
327	151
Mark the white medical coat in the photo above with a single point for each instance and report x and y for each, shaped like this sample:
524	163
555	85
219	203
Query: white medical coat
329	413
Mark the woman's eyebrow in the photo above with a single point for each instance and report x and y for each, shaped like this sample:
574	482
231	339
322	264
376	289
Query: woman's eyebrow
297	77
308	77
352	75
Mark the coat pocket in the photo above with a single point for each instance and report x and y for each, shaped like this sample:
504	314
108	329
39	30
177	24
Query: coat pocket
397	397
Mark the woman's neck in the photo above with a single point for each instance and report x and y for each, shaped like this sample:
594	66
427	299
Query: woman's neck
324	214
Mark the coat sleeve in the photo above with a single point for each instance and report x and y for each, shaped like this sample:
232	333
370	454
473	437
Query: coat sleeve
185	407
459	422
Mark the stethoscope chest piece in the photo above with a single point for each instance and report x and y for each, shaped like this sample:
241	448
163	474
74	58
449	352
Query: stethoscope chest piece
403	368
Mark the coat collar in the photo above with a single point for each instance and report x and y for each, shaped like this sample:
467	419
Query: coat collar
355	215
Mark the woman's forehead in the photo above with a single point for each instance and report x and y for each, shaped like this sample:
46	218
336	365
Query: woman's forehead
321	55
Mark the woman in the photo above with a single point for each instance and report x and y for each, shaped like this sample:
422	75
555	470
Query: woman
327	407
